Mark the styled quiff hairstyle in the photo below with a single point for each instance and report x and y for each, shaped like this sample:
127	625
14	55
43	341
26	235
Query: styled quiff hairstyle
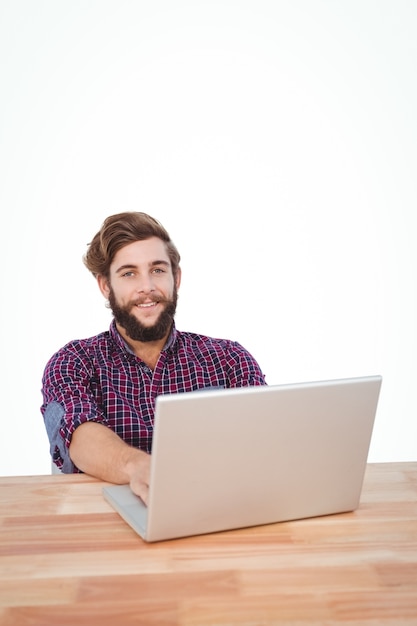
119	230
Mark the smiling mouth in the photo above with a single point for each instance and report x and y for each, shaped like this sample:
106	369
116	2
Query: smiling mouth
146	305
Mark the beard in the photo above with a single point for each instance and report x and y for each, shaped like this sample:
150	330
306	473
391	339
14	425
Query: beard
138	331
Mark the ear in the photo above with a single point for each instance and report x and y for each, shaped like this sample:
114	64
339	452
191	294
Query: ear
178	278
103	285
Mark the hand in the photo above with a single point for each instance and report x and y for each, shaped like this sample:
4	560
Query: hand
139	473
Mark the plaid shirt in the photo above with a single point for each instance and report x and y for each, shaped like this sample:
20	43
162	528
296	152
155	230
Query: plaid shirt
99	379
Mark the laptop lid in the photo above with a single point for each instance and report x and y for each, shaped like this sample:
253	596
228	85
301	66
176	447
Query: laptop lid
233	458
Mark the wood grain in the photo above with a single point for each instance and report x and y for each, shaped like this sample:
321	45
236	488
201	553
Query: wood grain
67	558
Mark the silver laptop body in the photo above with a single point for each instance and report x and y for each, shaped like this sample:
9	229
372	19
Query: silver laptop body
234	458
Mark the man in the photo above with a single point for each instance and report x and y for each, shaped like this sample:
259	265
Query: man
99	393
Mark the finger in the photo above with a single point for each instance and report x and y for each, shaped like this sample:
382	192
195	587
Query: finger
140	489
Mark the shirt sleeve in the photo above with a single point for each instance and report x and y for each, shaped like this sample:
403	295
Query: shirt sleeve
243	369
68	389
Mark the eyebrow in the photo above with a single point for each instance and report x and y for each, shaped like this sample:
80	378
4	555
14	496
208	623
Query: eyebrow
130	266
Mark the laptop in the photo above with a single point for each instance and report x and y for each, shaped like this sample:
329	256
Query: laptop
233	458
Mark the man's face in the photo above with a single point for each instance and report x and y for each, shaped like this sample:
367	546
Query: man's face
142	291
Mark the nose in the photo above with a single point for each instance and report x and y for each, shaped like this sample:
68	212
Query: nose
145	284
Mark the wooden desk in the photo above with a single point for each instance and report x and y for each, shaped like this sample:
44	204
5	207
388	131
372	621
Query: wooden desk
67	559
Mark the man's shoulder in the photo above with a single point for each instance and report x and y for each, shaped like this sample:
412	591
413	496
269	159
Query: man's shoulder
228	353
88	345
201	340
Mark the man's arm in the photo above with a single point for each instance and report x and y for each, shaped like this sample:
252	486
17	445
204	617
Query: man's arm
100	452
244	370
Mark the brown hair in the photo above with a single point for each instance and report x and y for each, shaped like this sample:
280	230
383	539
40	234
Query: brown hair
119	230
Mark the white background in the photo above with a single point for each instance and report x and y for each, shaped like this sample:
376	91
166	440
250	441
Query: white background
276	140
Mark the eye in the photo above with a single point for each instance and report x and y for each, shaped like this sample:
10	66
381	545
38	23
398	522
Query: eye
128	274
